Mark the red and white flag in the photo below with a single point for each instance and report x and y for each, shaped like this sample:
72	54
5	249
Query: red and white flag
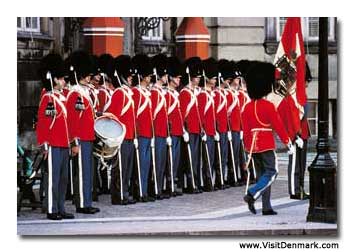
291	55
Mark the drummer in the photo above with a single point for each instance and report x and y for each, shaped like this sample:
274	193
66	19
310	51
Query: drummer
81	117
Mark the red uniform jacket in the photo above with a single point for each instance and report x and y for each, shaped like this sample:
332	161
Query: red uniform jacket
52	130
189	110
66	92
289	114
159	111
103	97
121	105
243	99
206	111
233	110
220	110
305	129
262	117
80	122
142	106
174	113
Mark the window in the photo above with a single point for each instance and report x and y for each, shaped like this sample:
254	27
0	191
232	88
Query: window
310	28
312	117
28	24
154	34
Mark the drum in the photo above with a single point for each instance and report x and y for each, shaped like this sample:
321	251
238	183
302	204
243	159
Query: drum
110	134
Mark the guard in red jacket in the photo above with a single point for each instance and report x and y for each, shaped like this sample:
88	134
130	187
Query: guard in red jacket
220	109
81	115
144	124
230	77
175	122
52	135
207	114
297	174
191	118
121	105
159	115
259	119
243	98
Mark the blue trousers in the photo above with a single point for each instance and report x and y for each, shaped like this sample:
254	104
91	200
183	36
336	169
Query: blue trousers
58	159
224	153
266	165
127	162
145	162
161	159
236	149
208	173
194	140
176	153
83	165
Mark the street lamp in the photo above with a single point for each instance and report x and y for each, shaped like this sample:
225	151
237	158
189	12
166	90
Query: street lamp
323	182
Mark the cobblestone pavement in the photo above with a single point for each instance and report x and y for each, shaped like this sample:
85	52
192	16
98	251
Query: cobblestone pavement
223	212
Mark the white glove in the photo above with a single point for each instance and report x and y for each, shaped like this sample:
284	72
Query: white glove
291	148
136	143
186	136
299	142
152	142
169	141
241	135
229	136
204	137
217	137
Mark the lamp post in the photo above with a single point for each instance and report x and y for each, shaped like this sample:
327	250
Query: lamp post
323	182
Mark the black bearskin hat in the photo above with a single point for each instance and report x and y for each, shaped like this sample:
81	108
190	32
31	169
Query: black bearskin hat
174	67
54	64
243	66
106	65
226	69
235	69
142	64
210	67
195	66
124	66
260	78
81	62
159	62
97	69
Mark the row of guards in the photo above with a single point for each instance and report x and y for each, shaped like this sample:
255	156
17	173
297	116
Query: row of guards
149	128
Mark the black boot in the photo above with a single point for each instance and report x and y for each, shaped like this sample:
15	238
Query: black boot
54	216
250	201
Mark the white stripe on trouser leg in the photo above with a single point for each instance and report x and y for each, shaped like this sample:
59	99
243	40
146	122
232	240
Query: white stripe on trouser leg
50	181
276	161
81	194
254	170
200	167
256	195
71	177
120	174
98	174
108	176
292	176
